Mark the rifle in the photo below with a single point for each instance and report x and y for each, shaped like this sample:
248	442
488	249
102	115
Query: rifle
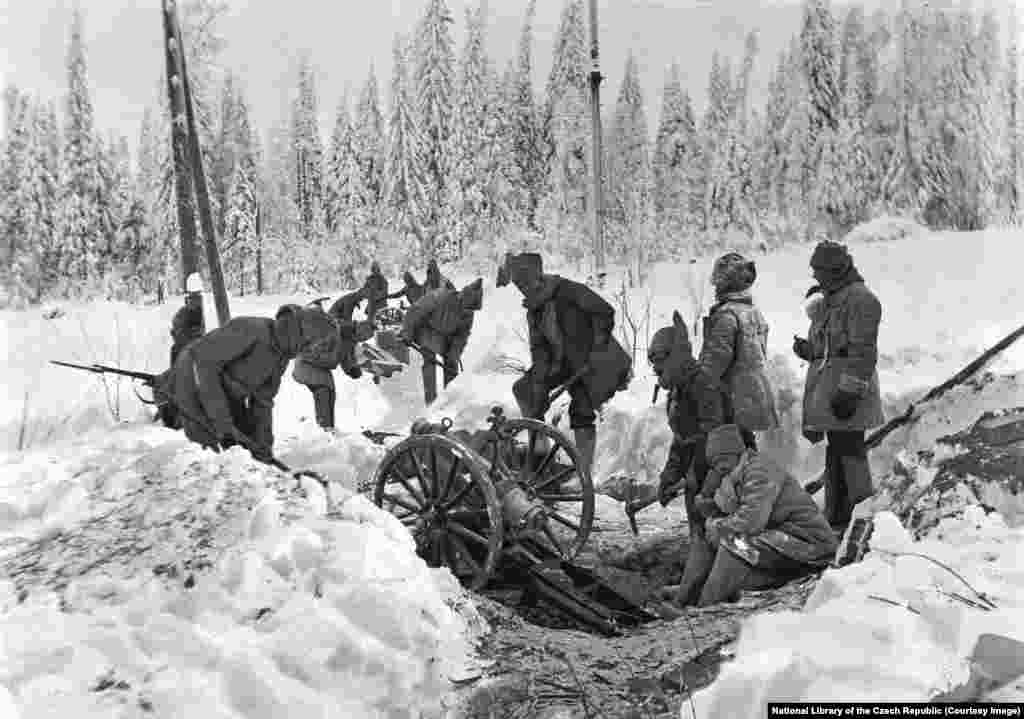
258	452
146	377
421	350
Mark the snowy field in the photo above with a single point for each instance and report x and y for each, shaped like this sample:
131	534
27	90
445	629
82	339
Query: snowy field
305	616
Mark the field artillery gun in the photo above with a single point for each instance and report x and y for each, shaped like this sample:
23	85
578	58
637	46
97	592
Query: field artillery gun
513	501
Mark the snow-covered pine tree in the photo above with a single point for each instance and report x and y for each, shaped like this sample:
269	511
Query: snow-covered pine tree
116	174
307	151
17	130
1013	119
676	156
528	139
37	196
741	96
774	148
240	236
464	193
368	142
406	196
435	87
819	50
566	127
629	170
336	181
225	151
81	186
714	126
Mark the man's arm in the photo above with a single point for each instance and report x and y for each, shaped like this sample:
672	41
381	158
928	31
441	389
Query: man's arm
865	315
757	499
719	348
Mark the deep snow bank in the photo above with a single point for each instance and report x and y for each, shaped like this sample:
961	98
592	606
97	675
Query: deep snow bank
884	629
147	576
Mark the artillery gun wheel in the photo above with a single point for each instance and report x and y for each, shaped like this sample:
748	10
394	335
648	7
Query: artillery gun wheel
440	490
548	467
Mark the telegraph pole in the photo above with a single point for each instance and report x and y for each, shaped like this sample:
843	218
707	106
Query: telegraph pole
190	181
173	53
597	164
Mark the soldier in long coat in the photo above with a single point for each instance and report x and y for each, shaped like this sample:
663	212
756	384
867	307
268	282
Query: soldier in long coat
734	353
761	528
376	291
440	323
842	399
314	368
570	329
225	382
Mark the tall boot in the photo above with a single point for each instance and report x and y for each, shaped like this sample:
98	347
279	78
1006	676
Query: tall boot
835	488
586	439
429	371
700	558
858	484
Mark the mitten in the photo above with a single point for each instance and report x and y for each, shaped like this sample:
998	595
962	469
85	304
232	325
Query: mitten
844	404
802	349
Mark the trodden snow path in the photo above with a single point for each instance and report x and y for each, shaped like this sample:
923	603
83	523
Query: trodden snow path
153	578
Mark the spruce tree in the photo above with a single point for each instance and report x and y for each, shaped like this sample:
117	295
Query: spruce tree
307	151
676	155
81	186
527	142
368	143
406	195
435	84
336	184
629	169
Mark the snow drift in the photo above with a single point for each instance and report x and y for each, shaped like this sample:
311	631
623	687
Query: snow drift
147	574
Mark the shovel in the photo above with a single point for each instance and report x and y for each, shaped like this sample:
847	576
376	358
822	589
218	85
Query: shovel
996	661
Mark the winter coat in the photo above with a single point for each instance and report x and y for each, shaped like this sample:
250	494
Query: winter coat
765	504
844	349
437	281
313	366
439	322
241	361
564	318
187	325
734	355
694	407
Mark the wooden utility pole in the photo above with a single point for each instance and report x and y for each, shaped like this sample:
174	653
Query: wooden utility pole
194	164
595	110
173	54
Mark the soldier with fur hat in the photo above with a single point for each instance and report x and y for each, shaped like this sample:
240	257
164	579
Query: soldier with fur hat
734	353
842	399
440	323
570	328
761	530
225	382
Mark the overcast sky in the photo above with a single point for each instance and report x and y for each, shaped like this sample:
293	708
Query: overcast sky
123	45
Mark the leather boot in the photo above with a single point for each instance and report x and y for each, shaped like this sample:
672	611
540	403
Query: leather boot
586	439
857	478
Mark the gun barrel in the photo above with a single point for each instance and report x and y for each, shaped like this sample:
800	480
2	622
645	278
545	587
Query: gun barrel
146	377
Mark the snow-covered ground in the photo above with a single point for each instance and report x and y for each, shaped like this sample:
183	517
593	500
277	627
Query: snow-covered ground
885	629
301	614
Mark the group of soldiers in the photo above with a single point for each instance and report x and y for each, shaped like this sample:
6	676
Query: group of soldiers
751	523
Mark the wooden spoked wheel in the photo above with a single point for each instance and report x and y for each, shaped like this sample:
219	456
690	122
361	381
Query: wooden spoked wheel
440	490
548	467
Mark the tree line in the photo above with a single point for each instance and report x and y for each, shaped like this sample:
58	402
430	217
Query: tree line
913	110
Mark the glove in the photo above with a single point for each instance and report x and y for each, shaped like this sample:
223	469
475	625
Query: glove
667	483
844	404
802	349
354	372
705	506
